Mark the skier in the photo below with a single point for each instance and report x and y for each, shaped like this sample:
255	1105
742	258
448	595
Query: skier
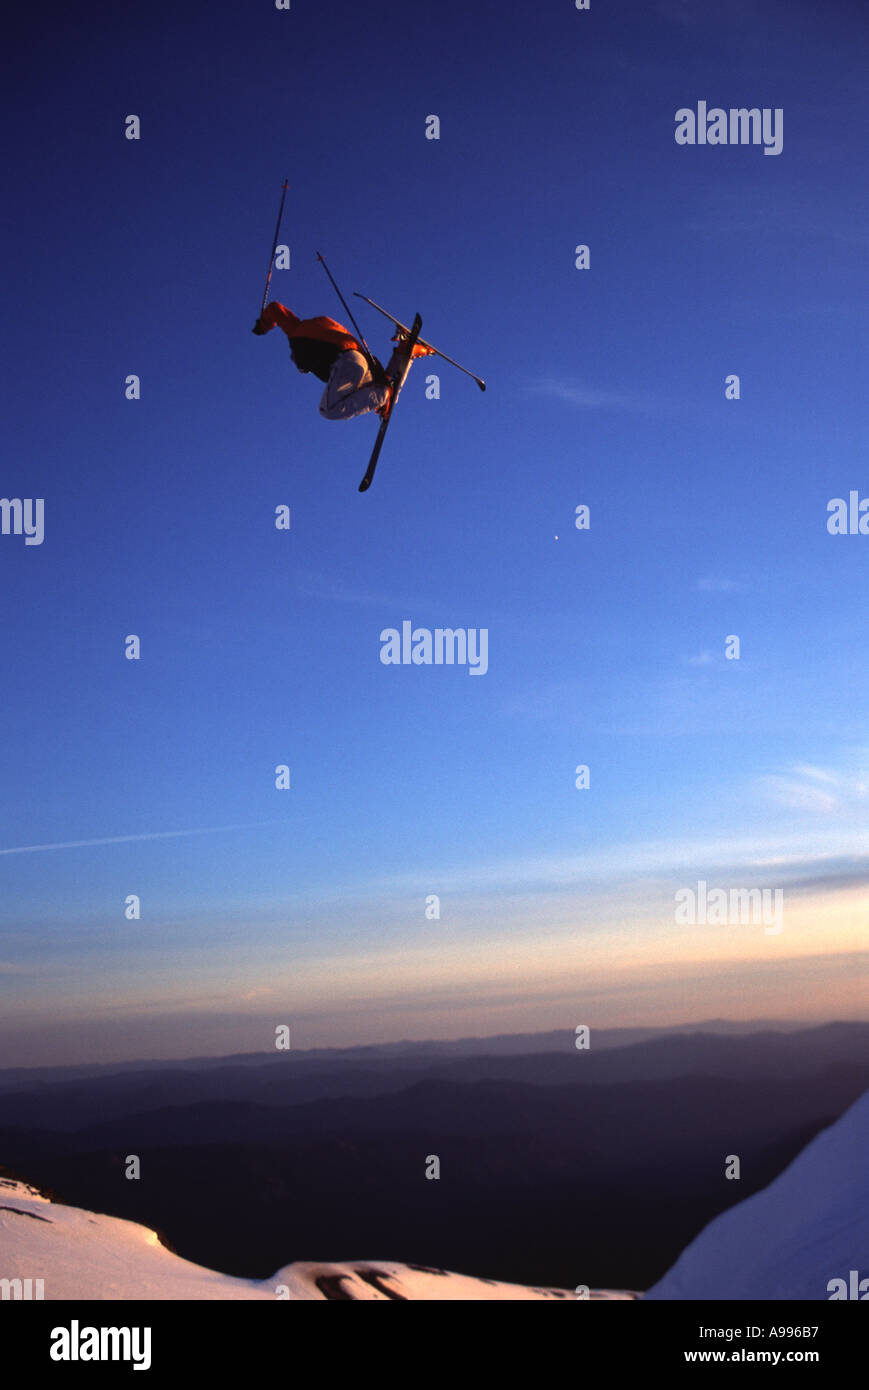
325	348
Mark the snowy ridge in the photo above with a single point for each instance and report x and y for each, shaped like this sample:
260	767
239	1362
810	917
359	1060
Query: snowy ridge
83	1256
802	1237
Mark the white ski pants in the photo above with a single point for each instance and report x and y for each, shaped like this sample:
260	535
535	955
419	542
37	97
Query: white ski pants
350	389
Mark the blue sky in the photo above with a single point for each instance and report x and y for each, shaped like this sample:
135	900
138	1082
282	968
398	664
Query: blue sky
606	646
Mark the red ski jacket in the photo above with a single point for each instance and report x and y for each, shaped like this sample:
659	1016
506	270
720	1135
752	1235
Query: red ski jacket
324	330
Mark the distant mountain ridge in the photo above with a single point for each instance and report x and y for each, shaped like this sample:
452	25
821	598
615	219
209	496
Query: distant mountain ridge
291	1078
501	1044
442	1107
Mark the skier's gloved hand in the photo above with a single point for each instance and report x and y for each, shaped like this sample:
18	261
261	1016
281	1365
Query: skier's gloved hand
259	328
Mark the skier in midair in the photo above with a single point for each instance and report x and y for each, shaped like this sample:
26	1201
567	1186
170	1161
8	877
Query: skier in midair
324	348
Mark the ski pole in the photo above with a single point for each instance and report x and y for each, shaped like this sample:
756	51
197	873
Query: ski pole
364	345
274	247
478	379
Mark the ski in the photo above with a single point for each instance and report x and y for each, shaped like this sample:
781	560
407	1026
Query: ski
411	339
479	380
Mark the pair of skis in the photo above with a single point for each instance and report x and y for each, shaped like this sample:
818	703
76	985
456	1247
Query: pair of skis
411	338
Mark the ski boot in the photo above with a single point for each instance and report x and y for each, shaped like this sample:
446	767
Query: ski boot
419	349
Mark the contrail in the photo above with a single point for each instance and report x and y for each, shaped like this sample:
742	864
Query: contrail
126	839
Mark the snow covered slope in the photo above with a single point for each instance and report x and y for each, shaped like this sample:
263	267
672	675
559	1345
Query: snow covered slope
80	1255
808	1227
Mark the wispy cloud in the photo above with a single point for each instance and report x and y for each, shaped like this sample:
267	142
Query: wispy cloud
709	584
704	658
628	865
825	791
129	839
586	397
333	589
